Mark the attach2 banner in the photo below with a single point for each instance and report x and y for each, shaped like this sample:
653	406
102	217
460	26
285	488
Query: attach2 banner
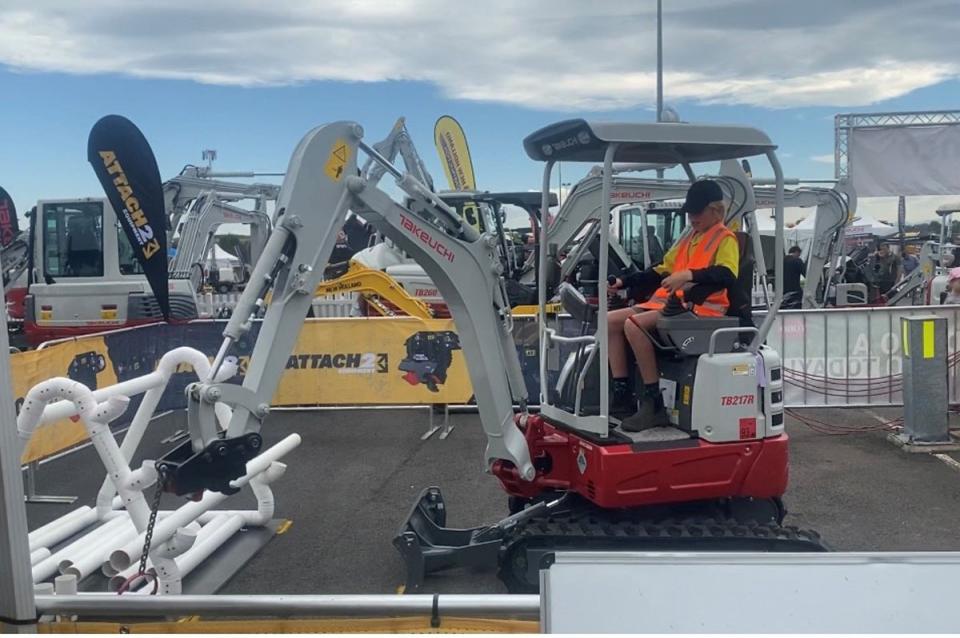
127	170
9	227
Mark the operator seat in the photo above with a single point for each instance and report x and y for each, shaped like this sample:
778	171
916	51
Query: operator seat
688	334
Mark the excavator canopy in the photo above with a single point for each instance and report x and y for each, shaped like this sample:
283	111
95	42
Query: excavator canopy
656	143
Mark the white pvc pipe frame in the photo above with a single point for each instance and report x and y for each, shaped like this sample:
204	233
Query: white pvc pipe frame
175	548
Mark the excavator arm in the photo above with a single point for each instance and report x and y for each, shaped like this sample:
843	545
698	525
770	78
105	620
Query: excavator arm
200	227
398	142
15	258
835	209
192	183
320	187
375	286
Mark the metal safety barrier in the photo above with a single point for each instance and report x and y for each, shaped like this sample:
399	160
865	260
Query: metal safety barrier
220	306
344	304
851	357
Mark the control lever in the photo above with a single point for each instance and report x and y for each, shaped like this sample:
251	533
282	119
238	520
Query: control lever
616	302
675	305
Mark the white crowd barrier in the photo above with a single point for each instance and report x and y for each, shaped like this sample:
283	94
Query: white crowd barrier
852	356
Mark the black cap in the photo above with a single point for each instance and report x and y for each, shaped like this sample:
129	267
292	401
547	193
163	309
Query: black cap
701	194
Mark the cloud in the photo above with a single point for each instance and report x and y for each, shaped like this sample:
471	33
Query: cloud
545	54
824	159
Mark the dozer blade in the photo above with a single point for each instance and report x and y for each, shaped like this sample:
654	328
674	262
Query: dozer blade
428	546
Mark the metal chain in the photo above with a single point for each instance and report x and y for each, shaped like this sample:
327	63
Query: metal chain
148	536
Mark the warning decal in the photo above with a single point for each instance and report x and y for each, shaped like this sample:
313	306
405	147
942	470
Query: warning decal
337	161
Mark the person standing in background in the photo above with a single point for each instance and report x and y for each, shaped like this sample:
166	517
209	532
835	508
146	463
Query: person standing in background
793	270
884	271
910	260
953	287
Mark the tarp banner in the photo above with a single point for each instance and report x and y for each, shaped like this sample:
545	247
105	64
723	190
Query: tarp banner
909	160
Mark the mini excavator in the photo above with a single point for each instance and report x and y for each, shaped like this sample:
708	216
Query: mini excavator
711	481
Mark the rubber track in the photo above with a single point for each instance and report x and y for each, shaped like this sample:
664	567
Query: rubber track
599	530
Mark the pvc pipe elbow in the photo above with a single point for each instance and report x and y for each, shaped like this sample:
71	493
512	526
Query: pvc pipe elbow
272	473
142	478
110	409
182	540
171	360
40	395
228	369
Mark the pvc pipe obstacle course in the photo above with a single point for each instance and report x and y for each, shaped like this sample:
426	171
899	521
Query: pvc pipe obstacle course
111	534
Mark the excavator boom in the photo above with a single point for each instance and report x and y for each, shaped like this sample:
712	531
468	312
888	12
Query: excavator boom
320	187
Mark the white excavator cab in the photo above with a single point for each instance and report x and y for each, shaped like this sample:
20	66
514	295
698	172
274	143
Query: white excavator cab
657	143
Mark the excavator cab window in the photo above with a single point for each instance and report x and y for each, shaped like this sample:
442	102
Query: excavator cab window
73	239
663	226
129	265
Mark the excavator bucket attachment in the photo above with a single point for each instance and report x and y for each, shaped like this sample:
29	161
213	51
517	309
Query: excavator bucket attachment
427	545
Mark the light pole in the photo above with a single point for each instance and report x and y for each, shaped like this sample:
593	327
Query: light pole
559	183
659	59
659	69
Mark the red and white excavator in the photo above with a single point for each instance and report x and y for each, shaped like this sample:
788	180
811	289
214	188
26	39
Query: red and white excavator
713	480
83	276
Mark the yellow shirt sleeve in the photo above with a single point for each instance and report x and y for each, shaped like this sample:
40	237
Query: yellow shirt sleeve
728	254
666	266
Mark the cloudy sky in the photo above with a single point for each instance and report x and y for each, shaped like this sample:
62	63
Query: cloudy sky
248	78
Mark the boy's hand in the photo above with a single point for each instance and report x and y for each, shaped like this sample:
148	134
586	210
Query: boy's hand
677	280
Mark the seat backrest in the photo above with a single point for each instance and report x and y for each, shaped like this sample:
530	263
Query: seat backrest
741	296
656	248
574	303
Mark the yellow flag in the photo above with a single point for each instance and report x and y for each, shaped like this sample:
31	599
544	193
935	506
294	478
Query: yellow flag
454	154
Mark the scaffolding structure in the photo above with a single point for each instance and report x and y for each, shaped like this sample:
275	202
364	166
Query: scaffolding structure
845	123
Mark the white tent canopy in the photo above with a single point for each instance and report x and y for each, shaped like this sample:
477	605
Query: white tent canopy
862	225
867	225
802	234
224	259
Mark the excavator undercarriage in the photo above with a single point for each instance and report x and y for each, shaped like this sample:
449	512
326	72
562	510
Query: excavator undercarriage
519	546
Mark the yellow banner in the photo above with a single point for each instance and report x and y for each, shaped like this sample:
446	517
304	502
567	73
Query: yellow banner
368	361
350	361
454	154
84	360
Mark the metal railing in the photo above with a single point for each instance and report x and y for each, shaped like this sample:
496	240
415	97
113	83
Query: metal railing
851	357
220	306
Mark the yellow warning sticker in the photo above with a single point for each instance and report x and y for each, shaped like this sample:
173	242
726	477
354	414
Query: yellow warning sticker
686	395
928	340
740	370
337	162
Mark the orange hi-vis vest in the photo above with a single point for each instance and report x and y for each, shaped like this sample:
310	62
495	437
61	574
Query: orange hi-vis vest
702	257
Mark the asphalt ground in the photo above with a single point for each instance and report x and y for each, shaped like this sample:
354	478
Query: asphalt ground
356	474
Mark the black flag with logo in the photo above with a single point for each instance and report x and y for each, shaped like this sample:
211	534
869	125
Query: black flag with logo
127	170
9	227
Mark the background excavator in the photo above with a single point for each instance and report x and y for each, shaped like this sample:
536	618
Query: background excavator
83	275
713	480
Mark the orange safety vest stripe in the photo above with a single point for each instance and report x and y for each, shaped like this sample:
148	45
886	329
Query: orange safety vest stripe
717	303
